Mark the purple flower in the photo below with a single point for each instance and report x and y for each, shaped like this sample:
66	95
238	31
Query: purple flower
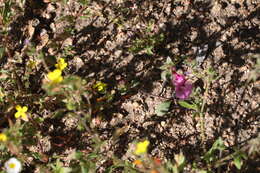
178	79
26	42
183	88
183	91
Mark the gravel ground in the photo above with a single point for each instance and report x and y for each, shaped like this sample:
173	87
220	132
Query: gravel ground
228	31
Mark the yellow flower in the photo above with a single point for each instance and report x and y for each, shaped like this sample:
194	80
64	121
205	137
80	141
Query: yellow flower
55	76
61	64
21	112
100	86
3	137
141	147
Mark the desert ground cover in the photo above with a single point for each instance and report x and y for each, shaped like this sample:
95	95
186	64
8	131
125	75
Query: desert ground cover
149	86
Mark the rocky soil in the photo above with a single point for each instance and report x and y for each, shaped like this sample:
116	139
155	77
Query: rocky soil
227	31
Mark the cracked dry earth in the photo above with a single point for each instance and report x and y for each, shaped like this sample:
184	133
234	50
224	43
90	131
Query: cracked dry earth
229	29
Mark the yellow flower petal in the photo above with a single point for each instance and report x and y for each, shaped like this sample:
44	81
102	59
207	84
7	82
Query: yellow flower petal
100	86
25	108
61	64
3	137
141	147
21	112
17	115
59	79
24	117
18	107
55	76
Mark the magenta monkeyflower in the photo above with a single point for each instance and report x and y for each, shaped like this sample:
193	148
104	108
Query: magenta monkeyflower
183	88
178	79
184	91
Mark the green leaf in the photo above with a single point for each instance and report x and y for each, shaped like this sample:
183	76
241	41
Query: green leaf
71	106
59	168
238	162
84	167
172	167
180	161
165	75
162	108
188	105
169	61
84	2
149	50
179	158
218	145
36	155
239	156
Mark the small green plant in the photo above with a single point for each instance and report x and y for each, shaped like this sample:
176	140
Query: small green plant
147	44
210	155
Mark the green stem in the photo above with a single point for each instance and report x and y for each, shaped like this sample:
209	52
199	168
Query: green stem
202	121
